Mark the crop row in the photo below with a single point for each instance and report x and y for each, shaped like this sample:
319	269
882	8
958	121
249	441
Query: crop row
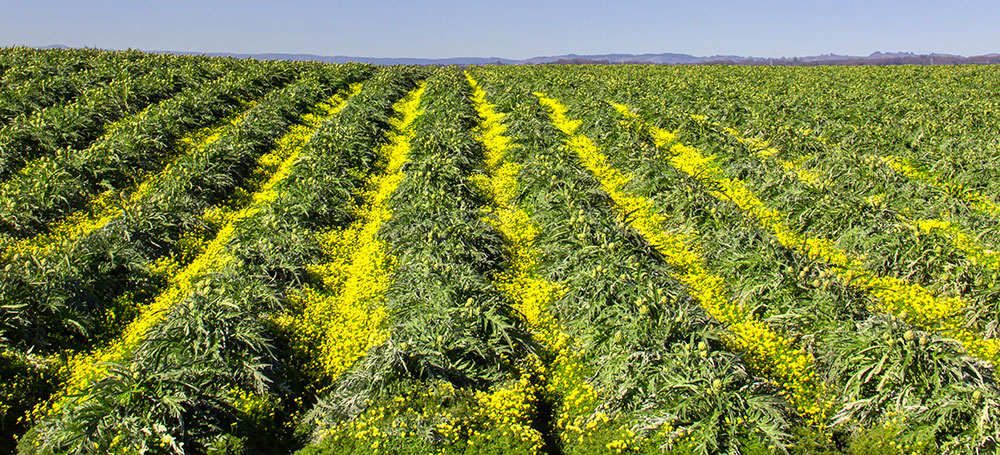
22	64
532	259
50	186
132	243
98	110
695	167
240	264
74	75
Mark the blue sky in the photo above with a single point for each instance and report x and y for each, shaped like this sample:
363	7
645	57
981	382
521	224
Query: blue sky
509	28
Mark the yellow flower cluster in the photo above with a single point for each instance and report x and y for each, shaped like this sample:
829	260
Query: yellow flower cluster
88	367
628	443
251	403
110	128
336	324
529	293
961	239
910	302
29	371
977	200
770	353
512	408
762	148
956	235
269	163
111	205
506	410
129	119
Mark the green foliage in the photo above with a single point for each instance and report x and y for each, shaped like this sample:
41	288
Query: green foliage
64	77
178	389
447	322
412	423
641	358
789	291
73	125
218	360
88	274
218	376
25	379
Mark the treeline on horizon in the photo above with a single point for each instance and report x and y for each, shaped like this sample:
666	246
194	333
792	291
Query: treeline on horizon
991	59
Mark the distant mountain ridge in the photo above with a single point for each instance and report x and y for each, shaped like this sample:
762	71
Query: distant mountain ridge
875	58
372	60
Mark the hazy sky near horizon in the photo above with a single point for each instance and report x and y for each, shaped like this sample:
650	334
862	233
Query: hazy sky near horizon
510	29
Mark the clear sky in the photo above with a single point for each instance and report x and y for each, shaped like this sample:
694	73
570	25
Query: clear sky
509	28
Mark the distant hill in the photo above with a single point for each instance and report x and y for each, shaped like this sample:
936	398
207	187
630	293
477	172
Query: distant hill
372	60
875	58
667	59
